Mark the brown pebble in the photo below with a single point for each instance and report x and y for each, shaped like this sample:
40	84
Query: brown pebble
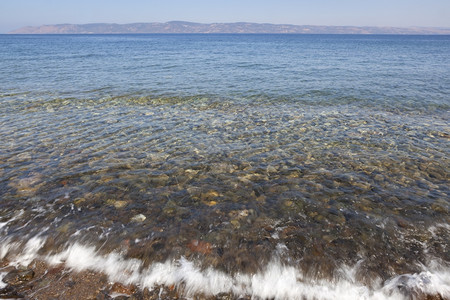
402	222
431	297
17	277
123	289
200	247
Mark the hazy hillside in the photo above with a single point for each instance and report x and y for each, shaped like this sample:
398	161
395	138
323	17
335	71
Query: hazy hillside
242	27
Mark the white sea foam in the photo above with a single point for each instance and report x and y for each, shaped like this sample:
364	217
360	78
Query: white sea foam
276	281
15	217
435	228
3	224
2	284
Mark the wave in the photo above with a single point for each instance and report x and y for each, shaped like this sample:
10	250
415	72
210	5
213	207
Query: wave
275	281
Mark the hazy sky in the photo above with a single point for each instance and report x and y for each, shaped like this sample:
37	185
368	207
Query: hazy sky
434	13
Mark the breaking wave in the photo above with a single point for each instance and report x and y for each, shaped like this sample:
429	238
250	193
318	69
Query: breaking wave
275	281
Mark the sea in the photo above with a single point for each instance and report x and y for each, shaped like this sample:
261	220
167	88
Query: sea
249	165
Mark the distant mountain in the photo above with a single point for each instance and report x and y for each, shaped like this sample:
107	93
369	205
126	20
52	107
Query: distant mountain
241	27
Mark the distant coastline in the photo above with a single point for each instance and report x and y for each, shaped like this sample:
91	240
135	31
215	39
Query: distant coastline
240	27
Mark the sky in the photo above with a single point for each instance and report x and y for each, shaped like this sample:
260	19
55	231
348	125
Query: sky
398	13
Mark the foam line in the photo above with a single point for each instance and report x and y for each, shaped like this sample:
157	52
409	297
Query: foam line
276	281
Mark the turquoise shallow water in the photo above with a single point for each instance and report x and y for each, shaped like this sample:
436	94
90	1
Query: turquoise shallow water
232	152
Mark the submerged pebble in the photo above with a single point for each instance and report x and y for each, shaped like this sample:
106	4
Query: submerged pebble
17	276
138	218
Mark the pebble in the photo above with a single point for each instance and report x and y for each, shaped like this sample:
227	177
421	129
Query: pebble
159	180
117	203
171	208
210	194
138	218
439	208
211	203
271	169
379	177
288	203
10	293
236	224
78	201
123	289
261	199
401	222
244	213
17	277
200	247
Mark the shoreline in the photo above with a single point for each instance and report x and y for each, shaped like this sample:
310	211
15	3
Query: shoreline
41	281
81	272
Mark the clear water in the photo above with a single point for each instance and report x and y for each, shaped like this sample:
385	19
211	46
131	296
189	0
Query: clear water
315	164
